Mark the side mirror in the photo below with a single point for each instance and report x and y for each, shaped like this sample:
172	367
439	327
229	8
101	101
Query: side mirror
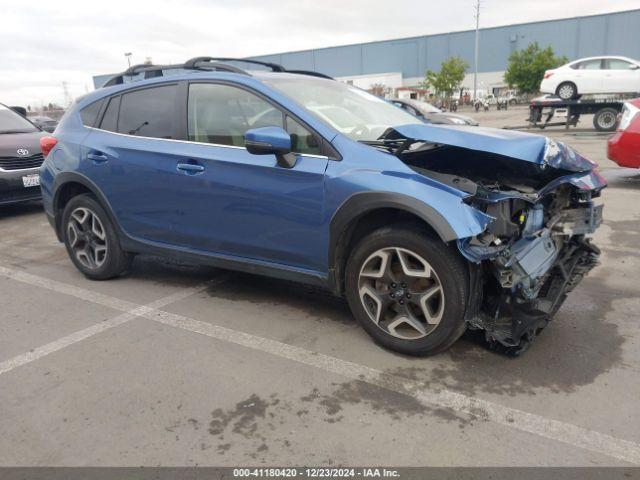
271	141
634	67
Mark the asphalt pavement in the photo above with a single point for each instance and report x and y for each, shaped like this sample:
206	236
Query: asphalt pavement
178	364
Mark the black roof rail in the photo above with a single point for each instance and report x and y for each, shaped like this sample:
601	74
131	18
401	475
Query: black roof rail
273	66
150	71
210	64
311	73
203	63
153	71
135	69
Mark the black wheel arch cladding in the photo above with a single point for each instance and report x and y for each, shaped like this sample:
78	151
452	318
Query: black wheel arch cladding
358	205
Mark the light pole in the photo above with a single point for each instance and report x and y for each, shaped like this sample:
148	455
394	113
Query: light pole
128	55
475	73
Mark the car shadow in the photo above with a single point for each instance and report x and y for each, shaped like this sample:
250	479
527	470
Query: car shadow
20	209
578	346
317	303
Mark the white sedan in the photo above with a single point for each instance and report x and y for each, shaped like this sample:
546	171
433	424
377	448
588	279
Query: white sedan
593	75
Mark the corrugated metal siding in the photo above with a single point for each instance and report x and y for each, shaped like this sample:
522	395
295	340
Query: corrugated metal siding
607	34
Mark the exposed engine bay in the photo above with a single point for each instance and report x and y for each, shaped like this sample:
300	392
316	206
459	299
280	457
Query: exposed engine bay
535	250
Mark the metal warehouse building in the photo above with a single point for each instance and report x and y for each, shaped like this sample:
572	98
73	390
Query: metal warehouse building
403	62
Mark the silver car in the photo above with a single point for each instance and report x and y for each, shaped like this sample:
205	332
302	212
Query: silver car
431	114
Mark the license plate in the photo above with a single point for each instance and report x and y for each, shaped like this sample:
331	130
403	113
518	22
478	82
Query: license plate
31	180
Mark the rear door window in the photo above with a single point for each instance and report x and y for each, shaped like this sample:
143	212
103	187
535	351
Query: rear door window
591	65
149	113
617	64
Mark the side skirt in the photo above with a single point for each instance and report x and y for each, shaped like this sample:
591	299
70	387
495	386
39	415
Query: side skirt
227	262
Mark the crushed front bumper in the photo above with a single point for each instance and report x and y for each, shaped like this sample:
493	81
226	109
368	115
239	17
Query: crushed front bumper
516	290
515	320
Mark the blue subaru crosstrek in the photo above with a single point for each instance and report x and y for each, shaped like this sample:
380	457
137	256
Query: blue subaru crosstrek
427	230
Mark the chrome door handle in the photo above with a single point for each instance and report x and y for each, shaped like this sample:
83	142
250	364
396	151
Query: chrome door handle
190	168
97	157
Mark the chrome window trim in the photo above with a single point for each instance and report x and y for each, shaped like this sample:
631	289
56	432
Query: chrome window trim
323	157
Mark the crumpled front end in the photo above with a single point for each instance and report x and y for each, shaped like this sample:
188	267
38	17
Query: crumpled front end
540	195
527	261
536	250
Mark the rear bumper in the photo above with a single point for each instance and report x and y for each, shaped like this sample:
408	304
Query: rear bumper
547	86
52	221
13	191
624	149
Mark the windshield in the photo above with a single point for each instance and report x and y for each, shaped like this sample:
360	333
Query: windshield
11	122
424	107
354	112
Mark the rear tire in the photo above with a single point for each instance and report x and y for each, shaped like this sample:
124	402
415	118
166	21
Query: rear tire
605	120
567	91
408	290
91	239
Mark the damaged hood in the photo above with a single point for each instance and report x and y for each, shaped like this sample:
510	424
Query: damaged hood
508	143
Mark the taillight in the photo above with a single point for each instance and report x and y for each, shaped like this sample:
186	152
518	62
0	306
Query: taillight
47	144
628	114
547	75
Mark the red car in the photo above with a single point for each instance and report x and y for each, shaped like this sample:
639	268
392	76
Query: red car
624	147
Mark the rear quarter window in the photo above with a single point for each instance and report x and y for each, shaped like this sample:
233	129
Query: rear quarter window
89	114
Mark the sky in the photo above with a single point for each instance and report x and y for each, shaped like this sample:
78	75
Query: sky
46	43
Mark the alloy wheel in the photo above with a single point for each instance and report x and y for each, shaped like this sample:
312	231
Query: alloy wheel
87	238
566	92
401	293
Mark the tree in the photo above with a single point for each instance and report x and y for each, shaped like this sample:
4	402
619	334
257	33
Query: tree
379	89
526	67
449	78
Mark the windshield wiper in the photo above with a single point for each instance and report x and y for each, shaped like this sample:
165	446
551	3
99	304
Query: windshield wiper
137	129
2	132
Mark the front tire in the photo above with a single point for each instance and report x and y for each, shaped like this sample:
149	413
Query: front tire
91	239
567	91
408	290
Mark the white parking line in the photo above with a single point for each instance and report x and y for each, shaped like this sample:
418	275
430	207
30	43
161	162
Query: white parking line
132	311
49	284
517	419
510	417
36	353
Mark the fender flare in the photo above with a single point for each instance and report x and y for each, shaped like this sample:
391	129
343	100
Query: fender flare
64	178
362	203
